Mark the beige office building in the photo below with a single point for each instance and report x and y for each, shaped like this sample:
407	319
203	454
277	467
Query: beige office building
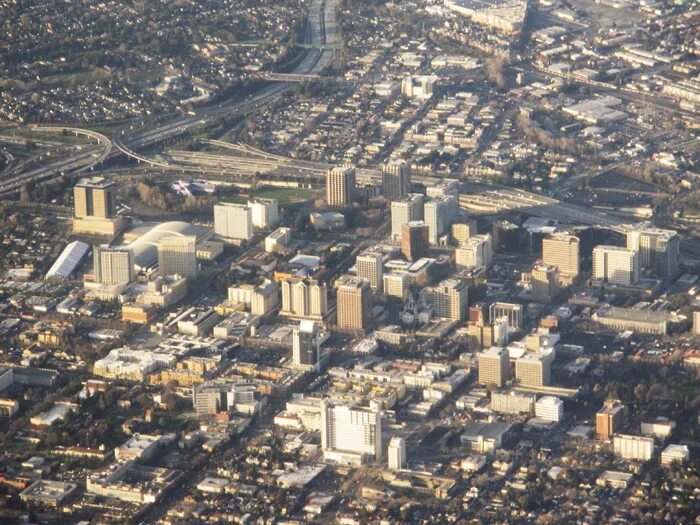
178	255
615	265
494	366
340	185
463	231
544	282
370	266
304	299
534	369
354	306
95	207
563	251
113	266
450	300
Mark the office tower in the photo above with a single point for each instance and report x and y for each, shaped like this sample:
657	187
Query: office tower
396	180
476	252
95	207
264	213
477	313
462	231
178	255
396	453
544	281
340	185
264	298
396	285
696	322
549	408
450	300
216	396
494	366
562	250
444	188
500	331
507	237
414	240
304	298
113	266
616	265
480	336
369	265
350	434
534	369
354	306
658	249
438	214
609	419
233	221
511	311
403	211
306	346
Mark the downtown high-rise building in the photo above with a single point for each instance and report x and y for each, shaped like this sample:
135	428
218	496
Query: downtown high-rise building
450	300
350	434
396	180
341	184
408	209
95	207
354	304
370	265
177	254
476	252
304	298
306	346
113	266
615	265
494	366
233	221
414	240
544	282
563	251
659	249
438	214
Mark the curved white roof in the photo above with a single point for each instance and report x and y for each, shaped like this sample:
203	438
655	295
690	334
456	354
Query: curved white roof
145	248
69	259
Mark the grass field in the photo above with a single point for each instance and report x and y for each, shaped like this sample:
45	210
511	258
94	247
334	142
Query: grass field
282	195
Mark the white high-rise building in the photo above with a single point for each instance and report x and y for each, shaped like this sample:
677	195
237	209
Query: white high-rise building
658	249
340	185
450	300
438	214
113	266
396	285
500	331
477	252
350	434
233	221
396	453
403	211
265	213
369	265
549	408
177	254
614	264
306	346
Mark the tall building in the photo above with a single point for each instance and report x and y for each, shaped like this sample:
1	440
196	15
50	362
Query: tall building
304	298
264	213
438	214
354	305
396	180
178	255
534	369
658	249
696	322
544	282
511	311
396	285
549	408
616	265
264	298
477	313
462	231
403	211
494	366
476	252
222	396
507	237
306	346
396	453
233	221
95	207
350	434
370	266
609	419
450	300
113	266
414	240
563	251
340	185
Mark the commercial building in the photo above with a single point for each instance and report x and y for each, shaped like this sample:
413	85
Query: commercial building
306	346
354	305
659	250
484	438
438	214
369	265
264	213
511	311
544	282
549	408
95	207
113	266
350	434
614	479
48	493
177	255
264	298
415	240
534	369
562	251
396	285
418	86
450	300
278	240
444	188
633	447
396	180
507	16
133	365
139	447
145	247
696	322
609	419
68	261
642	321
164	291
221	395
677	453
403	211
512	402
476	252
134	482
494	366
462	231
340	185
615	265
304	298
396	453
233	221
